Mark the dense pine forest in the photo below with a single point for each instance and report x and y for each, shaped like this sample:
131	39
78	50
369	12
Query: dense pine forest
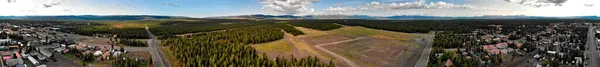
133	33
289	29
182	27
230	48
133	42
317	25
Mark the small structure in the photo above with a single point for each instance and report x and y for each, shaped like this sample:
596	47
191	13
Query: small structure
18	55
33	61
448	63
97	53
14	62
106	55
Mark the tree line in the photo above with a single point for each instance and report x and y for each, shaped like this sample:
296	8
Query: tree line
230	48
133	42
317	25
289	29
182	27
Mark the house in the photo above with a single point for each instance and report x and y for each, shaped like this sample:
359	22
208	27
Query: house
14	62
33	61
97	53
106	55
117	54
448	63
18	55
4	48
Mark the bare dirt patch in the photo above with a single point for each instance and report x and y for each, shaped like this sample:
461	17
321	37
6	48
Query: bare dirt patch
139	54
371	52
323	39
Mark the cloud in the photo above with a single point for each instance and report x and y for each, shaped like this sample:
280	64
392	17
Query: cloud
12	1
588	5
398	6
171	4
538	3
53	3
288	6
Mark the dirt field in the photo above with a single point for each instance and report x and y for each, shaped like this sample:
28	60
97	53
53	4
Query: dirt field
380	49
139	54
370	52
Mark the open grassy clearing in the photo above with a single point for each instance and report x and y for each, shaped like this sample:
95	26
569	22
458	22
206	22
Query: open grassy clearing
381	49
275	48
310	32
370	52
357	31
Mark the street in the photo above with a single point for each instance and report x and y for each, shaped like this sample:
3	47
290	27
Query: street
424	58
158	57
592	52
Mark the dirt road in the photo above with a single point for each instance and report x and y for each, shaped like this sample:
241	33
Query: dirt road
348	61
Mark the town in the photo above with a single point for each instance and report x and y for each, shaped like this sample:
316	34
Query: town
42	45
557	44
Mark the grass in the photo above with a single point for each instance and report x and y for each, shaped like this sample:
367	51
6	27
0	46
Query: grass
169	56
310	32
313	51
69	56
357	31
280	47
353	51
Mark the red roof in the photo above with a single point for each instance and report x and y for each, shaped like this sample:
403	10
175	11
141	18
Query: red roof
18	55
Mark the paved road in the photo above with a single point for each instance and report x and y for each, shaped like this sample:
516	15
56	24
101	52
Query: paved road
426	51
592	53
158	57
348	61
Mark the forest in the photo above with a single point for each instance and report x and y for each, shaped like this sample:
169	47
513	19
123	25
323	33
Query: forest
289	29
133	42
182	27
457	59
129	62
230	48
317	25
132	33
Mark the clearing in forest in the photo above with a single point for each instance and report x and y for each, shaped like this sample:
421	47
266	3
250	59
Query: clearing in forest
380	48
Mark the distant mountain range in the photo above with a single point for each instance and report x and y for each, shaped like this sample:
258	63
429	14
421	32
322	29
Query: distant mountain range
287	17
91	17
400	17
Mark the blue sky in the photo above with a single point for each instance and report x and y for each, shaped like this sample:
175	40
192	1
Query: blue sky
209	8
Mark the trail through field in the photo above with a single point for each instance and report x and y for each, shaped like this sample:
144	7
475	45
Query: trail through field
348	61
295	52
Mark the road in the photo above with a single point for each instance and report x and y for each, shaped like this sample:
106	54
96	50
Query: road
158	57
424	58
348	61
592	52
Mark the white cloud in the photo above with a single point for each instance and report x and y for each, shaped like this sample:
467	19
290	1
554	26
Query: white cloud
538	3
398	6
288	6
170	4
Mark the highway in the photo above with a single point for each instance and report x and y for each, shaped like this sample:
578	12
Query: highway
158	57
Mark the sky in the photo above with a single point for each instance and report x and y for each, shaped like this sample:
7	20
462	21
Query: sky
211	8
